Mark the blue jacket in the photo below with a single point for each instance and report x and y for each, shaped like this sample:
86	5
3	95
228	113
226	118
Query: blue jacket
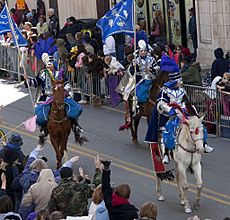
101	212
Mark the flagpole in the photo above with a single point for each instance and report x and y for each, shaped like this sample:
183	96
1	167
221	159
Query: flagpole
135	56
19	54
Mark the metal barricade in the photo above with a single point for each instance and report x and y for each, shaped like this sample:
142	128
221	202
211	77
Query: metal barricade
9	59
206	101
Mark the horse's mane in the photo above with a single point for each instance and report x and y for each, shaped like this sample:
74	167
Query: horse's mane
191	110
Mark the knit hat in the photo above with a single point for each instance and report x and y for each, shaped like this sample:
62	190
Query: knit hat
9	155
29	15
14	142
66	172
38	165
169	65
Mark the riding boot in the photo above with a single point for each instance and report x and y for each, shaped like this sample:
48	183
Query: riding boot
43	134
77	130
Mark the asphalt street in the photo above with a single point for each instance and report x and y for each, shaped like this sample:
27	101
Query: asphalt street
132	164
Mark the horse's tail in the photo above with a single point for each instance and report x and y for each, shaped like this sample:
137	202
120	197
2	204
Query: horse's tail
168	175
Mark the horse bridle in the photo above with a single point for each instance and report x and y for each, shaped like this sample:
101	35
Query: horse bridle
195	150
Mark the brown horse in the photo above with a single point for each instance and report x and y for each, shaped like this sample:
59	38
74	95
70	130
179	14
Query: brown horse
146	109
59	126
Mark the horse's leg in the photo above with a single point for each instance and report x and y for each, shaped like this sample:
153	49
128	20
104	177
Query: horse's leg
179	186
199	184
160	197
184	184
136	123
63	147
58	154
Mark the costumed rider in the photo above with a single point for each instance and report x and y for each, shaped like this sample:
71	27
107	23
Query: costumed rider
146	68
43	97
172	92
146	71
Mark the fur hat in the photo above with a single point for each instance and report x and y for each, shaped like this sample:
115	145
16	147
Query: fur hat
66	173
9	155
38	165
169	65
14	142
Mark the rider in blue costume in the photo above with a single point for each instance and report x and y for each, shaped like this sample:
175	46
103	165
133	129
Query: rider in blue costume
43	83
172	92
147	68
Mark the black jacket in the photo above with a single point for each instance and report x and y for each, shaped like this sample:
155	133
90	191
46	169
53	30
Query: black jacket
220	65
53	25
121	212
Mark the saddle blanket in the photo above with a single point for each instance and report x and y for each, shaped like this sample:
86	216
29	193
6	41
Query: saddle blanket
73	110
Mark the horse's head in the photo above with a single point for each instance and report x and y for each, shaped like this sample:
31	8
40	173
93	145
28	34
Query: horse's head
196	131
58	92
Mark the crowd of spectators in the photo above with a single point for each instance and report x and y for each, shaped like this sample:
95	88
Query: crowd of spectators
31	190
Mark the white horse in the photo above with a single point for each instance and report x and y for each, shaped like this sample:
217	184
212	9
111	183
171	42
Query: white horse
187	153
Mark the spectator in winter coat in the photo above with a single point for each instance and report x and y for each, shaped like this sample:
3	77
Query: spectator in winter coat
71	26
12	170
42	26
32	169
117	203
6	209
37	193
71	197
191	72
53	23
220	65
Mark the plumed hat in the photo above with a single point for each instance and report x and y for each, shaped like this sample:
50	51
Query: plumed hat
47	60
169	65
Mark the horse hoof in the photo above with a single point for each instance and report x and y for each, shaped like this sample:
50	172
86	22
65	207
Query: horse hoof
136	142
161	198
188	210
196	206
182	202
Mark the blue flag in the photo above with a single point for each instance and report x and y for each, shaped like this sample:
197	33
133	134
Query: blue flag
5	27
120	19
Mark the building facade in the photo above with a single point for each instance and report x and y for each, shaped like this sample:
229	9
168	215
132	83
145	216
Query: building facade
213	25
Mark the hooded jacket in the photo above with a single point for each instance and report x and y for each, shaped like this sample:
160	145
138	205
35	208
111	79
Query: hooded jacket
220	65
40	192
118	207
101	212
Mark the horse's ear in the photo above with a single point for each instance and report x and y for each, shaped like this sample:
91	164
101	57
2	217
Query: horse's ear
202	118
62	81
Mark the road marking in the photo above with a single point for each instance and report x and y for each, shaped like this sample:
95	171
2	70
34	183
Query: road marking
91	153
9	93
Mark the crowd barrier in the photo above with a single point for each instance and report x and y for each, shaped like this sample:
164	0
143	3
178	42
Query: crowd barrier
215	105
